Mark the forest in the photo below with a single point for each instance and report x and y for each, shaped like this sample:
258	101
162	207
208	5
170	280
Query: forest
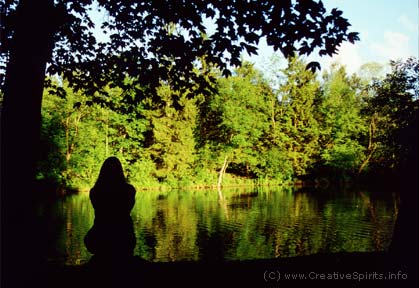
251	128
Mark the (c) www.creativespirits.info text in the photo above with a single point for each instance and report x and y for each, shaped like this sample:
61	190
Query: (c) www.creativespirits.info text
276	276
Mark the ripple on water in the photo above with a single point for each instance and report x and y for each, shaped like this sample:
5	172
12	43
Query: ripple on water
244	227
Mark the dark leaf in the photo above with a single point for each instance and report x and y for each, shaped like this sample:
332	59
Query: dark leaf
313	66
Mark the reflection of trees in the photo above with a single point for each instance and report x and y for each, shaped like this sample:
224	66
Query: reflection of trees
176	230
381	216
51	223
277	224
78	214
362	224
293	224
213	240
173	226
297	230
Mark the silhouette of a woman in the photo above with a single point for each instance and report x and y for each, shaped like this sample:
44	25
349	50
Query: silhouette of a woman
112	234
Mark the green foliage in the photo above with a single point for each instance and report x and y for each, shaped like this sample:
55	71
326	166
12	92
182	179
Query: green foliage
171	142
393	109
298	124
238	126
259	134
346	156
341	121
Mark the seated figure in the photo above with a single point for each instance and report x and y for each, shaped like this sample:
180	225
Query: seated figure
112	235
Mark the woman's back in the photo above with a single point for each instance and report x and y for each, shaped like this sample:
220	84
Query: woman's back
113	201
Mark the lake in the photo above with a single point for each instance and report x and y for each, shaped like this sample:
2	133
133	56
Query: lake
237	225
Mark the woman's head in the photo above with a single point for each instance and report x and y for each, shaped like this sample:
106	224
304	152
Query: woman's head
111	172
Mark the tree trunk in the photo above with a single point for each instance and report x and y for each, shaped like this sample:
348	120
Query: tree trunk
273	114
20	129
221	174
371	145
107	135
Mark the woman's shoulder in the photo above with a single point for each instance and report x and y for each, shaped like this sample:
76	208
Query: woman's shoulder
130	187
93	190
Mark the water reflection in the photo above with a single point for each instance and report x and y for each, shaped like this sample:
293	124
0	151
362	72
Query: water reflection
197	225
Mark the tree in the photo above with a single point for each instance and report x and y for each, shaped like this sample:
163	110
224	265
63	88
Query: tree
396	104
171	141
77	135
342	125
369	73
392	108
298	125
236	125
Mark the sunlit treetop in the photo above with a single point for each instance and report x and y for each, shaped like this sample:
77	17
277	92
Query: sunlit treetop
164	40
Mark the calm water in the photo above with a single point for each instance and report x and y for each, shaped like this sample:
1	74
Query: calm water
197	225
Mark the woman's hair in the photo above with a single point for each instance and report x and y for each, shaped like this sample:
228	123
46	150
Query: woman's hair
111	173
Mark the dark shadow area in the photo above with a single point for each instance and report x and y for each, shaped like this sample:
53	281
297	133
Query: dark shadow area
321	270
